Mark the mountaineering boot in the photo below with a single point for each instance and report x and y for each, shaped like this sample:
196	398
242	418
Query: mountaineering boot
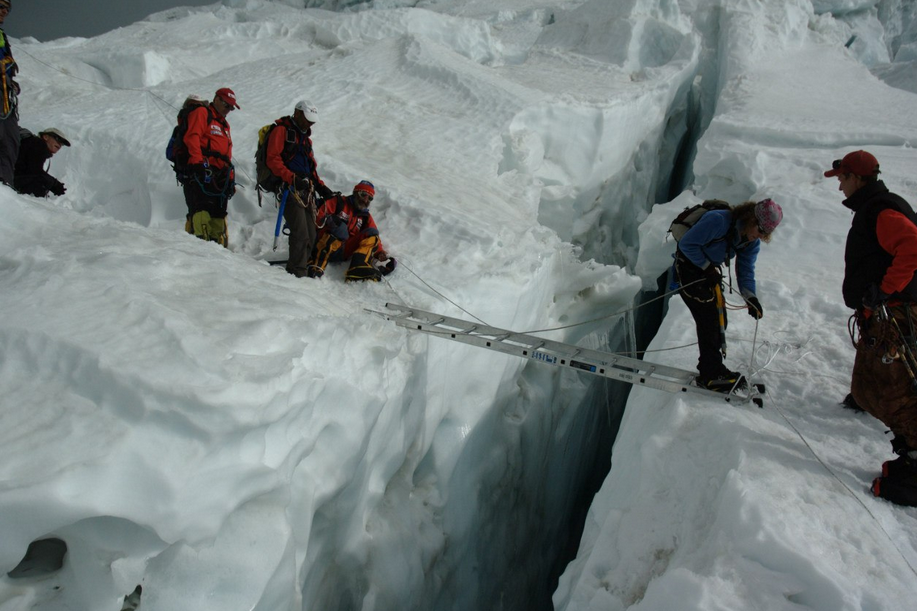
219	232
725	381
906	463
326	247
200	224
850	403
903	466
898	483
210	229
900	490
361	270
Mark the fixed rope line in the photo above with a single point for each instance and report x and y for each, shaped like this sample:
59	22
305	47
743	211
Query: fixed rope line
779	411
577	324
402	300
613	314
102	85
777	407
847	488
440	294
115	88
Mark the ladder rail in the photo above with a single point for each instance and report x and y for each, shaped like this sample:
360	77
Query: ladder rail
604	358
622	368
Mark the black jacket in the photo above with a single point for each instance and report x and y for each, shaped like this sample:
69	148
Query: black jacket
30	176
865	260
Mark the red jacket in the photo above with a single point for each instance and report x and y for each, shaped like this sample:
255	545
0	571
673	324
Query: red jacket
359	224
208	138
898	236
289	152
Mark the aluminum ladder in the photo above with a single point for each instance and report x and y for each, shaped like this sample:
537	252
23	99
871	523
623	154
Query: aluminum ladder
605	364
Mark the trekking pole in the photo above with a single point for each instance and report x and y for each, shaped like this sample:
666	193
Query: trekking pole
283	203
721	314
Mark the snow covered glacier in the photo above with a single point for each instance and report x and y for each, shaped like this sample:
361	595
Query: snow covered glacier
196	422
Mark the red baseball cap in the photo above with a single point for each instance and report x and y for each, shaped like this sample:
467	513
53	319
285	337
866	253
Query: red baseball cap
227	95
860	163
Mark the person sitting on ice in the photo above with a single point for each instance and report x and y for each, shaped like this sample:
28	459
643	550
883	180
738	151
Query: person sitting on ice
30	176
347	231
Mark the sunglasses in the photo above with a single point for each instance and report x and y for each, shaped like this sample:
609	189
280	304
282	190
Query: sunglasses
365	195
836	164
8	7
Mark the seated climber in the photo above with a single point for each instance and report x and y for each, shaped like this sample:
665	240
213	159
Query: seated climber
347	231
30	176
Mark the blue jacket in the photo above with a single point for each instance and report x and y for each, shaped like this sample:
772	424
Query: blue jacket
706	243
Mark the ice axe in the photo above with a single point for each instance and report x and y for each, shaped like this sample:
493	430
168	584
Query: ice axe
283	203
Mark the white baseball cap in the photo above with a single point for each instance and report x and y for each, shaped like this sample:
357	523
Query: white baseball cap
308	109
56	133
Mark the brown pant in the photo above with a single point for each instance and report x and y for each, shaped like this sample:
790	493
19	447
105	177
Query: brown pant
300	220
884	389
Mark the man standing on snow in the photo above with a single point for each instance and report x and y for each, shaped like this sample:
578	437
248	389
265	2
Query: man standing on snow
9	106
212	179
880	284
289	157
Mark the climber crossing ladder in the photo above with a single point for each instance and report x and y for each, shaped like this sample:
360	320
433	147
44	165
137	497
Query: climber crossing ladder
605	364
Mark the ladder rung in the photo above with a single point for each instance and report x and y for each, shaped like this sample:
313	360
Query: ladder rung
617	367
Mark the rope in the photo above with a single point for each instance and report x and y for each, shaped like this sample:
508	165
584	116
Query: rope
753	371
613	314
425	283
847	488
114	88
817	457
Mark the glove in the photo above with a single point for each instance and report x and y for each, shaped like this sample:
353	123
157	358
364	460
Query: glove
754	308
324	191
712	273
874	297
384	263
338	228
301	184
199	172
57	187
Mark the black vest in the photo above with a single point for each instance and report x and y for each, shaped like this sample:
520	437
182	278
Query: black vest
865	260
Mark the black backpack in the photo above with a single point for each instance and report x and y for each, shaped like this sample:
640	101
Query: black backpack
688	217
176	150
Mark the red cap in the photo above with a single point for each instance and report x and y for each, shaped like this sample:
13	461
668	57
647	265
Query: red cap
227	95
860	163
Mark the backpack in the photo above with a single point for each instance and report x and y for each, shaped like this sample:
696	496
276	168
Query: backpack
266	180
176	150
24	133
688	217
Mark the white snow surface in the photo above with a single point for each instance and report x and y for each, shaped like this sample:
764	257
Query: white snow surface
195	421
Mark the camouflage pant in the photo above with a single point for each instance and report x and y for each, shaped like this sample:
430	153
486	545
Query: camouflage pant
881	383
